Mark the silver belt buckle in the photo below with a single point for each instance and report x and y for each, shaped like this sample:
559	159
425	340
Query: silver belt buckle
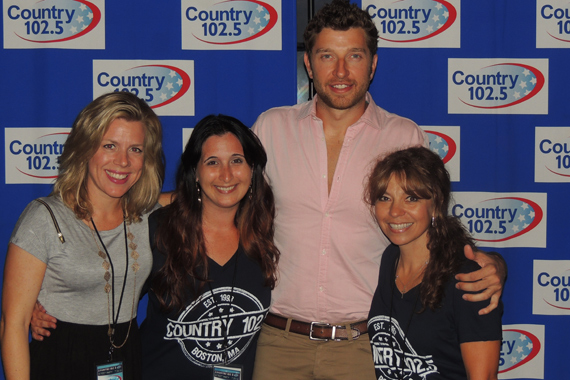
323	324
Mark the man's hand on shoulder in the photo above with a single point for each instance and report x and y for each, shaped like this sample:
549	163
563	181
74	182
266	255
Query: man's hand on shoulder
489	280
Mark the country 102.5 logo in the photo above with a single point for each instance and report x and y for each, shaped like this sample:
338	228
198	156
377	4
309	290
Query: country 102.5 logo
552	154
498	86
551	287
522	352
231	25
445	141
416	23
63	24
503	219
32	154
167	86
553	24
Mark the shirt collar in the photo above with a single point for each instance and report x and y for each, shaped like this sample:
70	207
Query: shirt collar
369	117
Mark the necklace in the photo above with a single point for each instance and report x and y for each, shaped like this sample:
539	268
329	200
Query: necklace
111	287
411	280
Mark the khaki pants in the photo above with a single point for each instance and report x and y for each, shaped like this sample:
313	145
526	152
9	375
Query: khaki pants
285	355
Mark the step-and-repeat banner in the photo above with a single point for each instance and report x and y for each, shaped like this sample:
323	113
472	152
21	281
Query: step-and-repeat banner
486	79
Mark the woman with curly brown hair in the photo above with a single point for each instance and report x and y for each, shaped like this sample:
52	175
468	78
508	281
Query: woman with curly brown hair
420	327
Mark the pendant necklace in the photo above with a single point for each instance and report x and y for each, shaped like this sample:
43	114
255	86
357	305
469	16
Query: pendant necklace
411	280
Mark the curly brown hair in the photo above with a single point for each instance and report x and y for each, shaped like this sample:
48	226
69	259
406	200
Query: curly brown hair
422	174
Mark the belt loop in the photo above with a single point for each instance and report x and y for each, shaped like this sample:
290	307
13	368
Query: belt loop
349	333
288	326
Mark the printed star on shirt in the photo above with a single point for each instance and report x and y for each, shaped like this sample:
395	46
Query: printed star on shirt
179	82
429	28
525	225
523	84
172	73
446	148
210	314
533	81
90	15
83	27
173	94
256	20
232	310
438	6
446	14
521	218
522	338
169	86
436	151
251	31
524	206
83	7
515	228
514	360
517	95
163	96
73	29
259	9
221	310
219	346
523	357
435	18
529	345
79	19
261	28
266	17
438	139
207	344
230	342
526	73
526	92
519	349
439	26
531	214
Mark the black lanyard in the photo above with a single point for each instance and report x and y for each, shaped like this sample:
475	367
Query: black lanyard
225	330
115	316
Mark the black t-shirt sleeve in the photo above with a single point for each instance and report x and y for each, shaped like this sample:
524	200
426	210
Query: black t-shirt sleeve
472	327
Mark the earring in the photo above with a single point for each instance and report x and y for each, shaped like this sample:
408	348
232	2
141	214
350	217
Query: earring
433	221
198	191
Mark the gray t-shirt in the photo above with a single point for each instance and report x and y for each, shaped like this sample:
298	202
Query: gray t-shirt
73	286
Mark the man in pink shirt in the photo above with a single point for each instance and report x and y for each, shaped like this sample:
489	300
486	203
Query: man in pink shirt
319	155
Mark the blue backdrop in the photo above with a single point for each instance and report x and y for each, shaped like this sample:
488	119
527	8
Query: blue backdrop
45	84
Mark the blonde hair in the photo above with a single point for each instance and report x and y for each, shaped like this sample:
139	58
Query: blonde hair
83	142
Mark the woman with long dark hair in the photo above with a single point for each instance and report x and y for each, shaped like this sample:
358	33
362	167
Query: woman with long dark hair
214	258
420	327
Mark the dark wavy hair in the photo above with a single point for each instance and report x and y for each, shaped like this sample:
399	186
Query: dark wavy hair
421	173
179	234
341	15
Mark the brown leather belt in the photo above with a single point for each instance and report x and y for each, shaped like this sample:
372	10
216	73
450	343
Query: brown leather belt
318	330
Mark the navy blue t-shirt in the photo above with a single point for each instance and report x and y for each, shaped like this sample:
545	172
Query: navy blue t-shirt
224	320
427	346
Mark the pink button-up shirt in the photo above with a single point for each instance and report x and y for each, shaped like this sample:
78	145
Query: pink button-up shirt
330	244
